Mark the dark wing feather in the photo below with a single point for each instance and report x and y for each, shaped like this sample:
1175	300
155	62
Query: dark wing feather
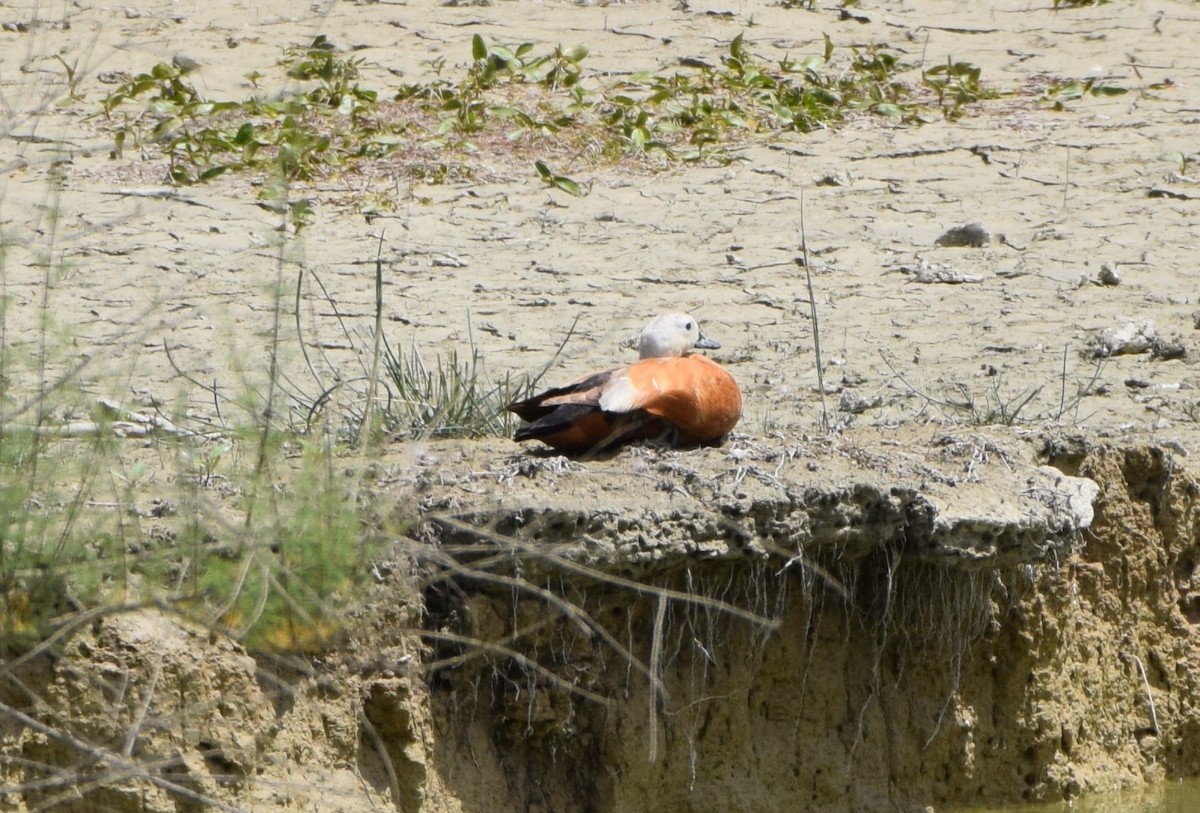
584	390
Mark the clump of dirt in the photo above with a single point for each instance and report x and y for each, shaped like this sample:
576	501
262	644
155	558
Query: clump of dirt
146	711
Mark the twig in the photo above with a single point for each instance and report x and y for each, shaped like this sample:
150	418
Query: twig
805	563
384	756
364	430
812	302
540	552
471	654
106	757
660	614
528	663
1066	179
139	719
587	625
554	359
1062	393
1149	697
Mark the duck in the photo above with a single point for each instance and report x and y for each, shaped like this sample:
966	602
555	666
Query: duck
670	394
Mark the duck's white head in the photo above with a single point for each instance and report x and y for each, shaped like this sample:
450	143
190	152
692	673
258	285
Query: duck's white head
672	334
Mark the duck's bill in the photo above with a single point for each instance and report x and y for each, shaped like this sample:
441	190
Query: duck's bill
705	343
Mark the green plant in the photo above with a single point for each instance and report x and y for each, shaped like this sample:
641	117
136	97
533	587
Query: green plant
546	101
73	94
292	136
551	179
287	582
957	84
1059	93
450	398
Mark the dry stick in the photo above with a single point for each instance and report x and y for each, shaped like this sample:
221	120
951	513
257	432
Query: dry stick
1066	179
300	326
111	758
74	778
656	667
800	559
1062	393
812	301
587	625
43	327
1149	697
929	399
213	389
364	430
77	784
260	607
609	578
272	374
337	313
268	413
139	719
136	326
507	641
525	661
558	352
244	572
384	756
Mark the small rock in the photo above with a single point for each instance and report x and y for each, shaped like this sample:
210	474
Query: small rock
1108	274
1176	447
928	273
836	178
185	63
971	235
1128	339
1167	349
1005	240
854	403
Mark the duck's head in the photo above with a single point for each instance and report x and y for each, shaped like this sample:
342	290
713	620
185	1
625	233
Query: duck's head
672	334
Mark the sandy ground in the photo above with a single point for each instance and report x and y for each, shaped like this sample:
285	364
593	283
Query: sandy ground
509	264
121	268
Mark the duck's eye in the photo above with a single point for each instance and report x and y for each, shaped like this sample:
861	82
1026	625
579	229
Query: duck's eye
688	326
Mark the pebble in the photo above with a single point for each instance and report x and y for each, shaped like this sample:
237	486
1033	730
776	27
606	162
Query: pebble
185	63
970	235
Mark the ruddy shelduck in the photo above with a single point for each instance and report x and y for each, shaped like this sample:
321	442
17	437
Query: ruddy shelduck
670	394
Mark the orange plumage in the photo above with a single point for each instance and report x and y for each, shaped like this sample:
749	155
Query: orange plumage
670	394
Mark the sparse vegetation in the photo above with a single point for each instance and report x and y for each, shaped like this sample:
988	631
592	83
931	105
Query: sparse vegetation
996	404
545	108
957	84
544	103
1060	93
451	398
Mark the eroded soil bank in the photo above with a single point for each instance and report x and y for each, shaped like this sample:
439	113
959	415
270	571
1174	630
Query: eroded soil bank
820	634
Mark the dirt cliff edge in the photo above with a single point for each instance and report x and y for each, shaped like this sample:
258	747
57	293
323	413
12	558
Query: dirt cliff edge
859	624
